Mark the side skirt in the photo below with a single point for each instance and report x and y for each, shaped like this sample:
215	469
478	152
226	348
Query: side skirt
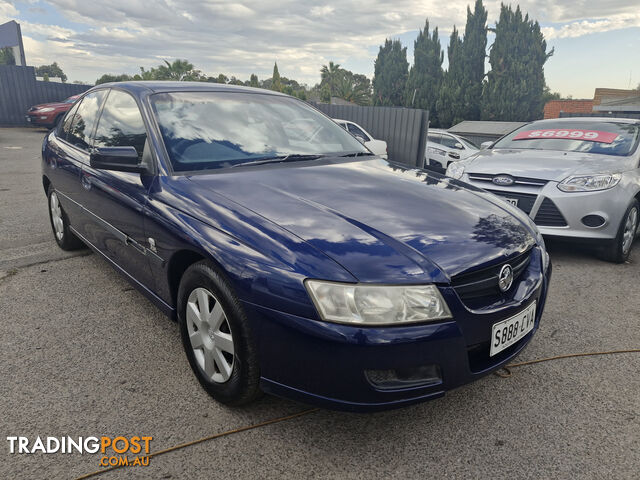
167	309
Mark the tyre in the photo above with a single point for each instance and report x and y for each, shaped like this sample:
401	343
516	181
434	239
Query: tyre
619	249
216	336
65	238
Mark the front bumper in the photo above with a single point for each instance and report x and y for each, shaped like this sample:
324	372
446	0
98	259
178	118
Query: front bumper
324	363
44	119
560	214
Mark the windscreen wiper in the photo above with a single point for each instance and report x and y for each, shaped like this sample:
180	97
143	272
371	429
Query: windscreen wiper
357	154
292	157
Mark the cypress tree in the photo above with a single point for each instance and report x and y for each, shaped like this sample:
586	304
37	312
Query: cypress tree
474	52
450	105
276	83
425	77
514	90
391	70
253	81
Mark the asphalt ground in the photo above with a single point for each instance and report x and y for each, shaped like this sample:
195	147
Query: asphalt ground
84	354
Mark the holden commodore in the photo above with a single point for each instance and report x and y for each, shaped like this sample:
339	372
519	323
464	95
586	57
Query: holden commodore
578	178
295	261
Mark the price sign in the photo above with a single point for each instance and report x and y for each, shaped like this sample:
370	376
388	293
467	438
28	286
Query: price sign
567	134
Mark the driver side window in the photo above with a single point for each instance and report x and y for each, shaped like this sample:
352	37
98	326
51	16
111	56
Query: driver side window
121	123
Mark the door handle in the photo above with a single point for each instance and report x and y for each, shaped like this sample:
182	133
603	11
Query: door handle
86	182
454	155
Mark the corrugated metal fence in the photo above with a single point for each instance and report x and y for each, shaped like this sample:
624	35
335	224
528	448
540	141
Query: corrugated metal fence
404	129
20	90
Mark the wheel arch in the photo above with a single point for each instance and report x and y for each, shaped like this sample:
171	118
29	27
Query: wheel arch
179	262
46	183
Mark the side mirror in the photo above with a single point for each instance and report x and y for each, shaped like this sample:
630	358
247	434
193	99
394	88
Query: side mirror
360	138
120	159
459	146
486	145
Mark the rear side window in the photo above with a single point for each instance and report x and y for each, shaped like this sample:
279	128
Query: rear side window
355	130
84	121
121	123
65	125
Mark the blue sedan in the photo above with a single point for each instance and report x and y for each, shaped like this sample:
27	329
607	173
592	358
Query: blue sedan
296	262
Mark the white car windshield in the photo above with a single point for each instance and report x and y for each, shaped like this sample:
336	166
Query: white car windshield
208	130
603	137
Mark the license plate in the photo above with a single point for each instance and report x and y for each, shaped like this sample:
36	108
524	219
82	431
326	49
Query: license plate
509	331
512	201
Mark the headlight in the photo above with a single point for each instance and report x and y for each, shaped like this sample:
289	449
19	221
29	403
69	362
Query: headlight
588	183
377	304
46	109
455	170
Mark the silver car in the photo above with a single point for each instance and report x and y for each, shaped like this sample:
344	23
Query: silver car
575	177
444	147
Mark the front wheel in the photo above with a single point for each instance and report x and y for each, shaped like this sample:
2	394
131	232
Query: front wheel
216	336
619	249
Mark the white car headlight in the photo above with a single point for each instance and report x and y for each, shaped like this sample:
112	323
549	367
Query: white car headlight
455	170
588	183
46	109
377	304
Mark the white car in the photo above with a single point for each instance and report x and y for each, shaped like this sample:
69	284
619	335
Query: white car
379	147
444	147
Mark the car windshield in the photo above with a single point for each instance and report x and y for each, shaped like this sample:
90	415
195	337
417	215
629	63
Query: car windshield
603	137
209	130
469	144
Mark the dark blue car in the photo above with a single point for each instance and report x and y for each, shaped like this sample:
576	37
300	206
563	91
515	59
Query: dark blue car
295	261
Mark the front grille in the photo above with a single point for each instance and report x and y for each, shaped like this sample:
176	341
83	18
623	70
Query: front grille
487	177
525	200
549	216
484	283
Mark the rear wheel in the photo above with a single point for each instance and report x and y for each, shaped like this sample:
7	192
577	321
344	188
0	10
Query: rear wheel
216	336
619	249
65	238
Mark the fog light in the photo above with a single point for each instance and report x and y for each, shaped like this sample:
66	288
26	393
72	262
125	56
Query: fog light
425	375
593	221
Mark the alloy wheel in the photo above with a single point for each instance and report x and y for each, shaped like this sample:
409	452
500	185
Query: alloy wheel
210	335
56	215
630	228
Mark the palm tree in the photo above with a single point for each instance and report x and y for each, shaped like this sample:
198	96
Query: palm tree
331	76
180	70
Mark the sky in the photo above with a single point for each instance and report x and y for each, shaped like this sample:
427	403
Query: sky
596	44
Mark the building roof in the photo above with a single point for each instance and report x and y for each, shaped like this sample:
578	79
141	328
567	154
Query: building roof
617	104
485	127
607	94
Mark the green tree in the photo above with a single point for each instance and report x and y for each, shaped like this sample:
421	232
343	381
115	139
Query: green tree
52	70
108	78
514	90
180	70
276	84
425	77
450	105
474	48
548	95
253	81
7	57
331	76
391	70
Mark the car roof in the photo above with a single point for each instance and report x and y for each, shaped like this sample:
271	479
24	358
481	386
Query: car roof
171	86
589	120
341	120
440	130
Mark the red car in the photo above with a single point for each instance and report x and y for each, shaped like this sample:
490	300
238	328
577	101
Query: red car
48	114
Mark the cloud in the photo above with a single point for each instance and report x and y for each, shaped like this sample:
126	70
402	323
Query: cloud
586	27
240	37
